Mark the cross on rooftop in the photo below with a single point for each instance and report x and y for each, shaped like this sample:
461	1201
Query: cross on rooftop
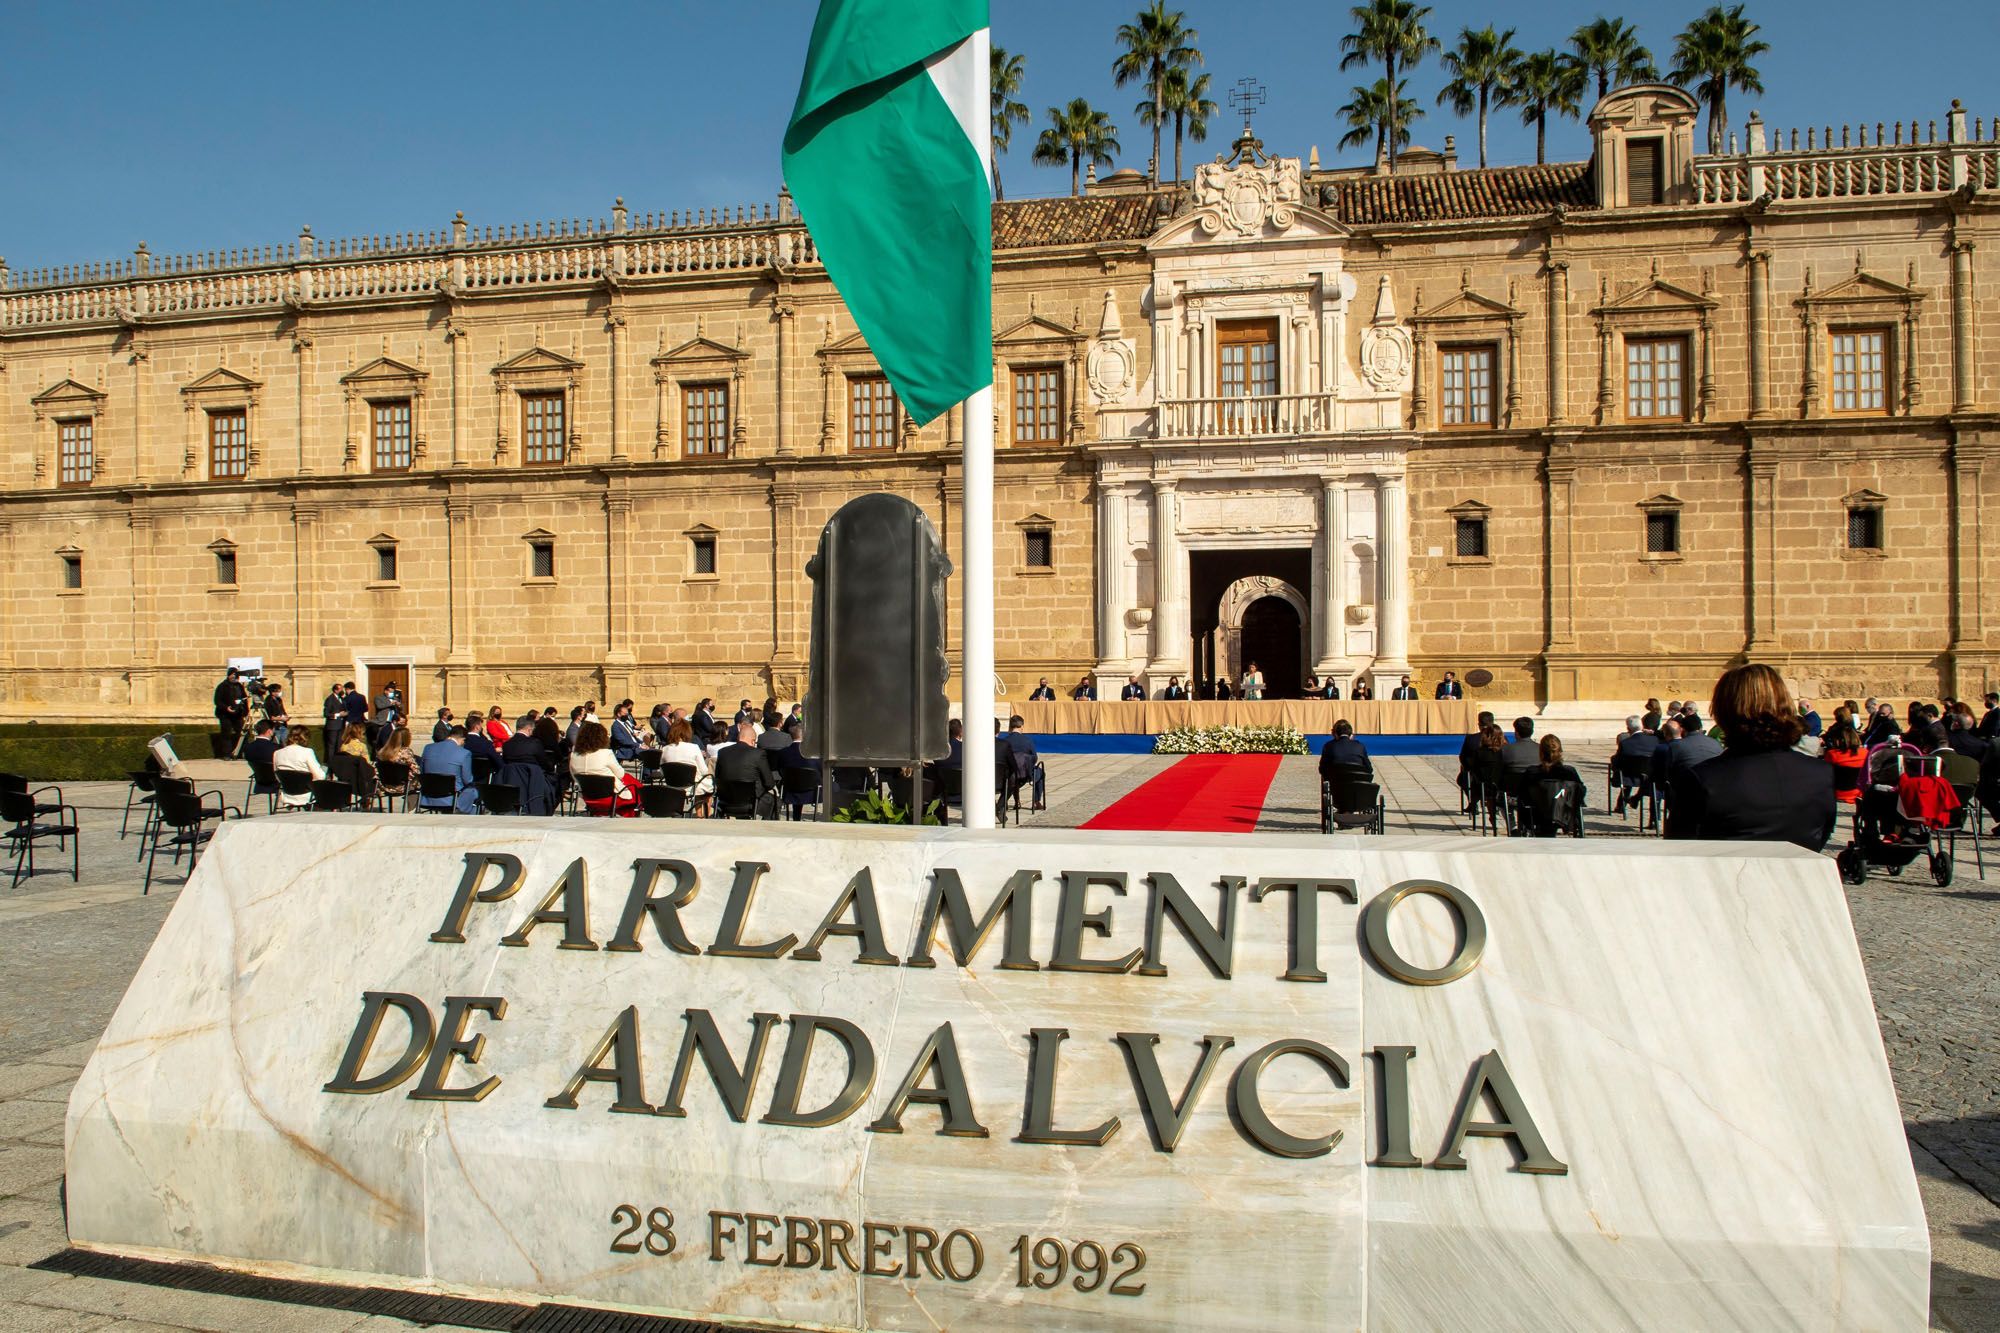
1245	98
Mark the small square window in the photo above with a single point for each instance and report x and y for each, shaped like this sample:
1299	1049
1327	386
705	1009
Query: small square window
1470	538
1864	528
541	560
72	573
1041	553
225	568
385	563
1663	533
704	555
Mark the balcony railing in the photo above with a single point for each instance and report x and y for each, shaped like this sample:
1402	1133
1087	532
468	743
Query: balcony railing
1891	160
1241	418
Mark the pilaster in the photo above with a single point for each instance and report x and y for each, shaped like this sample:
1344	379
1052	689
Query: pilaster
1171	634
1760	471
1392	543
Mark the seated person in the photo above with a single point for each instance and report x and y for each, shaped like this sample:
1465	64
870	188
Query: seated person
450	756
257	751
353	765
744	762
1521	754
1017	751
592	757
396	749
479	745
524	747
1043	692
1175	690
1133	691
1632	758
299	758
1553	800
1468	748
1085	691
1343	752
1362	689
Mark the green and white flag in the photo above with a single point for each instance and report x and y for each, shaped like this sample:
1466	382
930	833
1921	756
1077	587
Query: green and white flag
886	156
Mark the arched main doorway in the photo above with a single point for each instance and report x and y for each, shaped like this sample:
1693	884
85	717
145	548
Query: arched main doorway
1274	639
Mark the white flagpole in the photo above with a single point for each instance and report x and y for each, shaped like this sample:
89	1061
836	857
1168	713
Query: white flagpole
976	606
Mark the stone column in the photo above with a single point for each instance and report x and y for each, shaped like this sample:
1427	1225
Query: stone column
460	657
1392	544
1761	497
1112	603
1760	299
618	656
1164	386
621	441
1558	339
1331	613
1963	343
1171	636
455	334
1969	456
787	578
784	311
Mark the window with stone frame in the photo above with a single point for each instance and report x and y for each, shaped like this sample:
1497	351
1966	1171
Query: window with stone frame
1040	552
225	565
871	413
542	559
1644	183
76	447
72	570
1038	414
1656	378
1858	370
389	430
385	563
705	419
1469	537
544	438
1465	385
1864	527
228	444
1663	532
702	553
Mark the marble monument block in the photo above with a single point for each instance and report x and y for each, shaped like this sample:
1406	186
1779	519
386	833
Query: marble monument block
860	1078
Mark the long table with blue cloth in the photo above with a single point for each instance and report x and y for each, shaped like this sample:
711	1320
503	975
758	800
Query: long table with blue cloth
1313	717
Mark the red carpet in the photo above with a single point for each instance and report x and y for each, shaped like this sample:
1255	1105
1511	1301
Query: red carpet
1203	793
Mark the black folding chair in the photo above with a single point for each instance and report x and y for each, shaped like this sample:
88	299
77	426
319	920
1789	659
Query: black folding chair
392	779
186	814
437	793
649	765
948	785
330	795
23	813
1352	803
1552	807
801	789
596	787
294	782
140	795
500	798
736	799
660	801
263	782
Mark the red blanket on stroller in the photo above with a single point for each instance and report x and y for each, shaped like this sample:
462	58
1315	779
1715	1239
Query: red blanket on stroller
1929	801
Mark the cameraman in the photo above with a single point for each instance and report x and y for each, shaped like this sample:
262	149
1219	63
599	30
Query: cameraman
232	710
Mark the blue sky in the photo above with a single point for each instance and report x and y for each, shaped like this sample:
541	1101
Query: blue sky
199	126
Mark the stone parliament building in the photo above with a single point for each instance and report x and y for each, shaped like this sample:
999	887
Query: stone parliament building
1584	432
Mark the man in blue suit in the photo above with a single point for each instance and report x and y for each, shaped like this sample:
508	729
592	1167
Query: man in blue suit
449	756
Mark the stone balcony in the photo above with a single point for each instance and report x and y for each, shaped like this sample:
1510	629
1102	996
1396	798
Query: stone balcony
1225	420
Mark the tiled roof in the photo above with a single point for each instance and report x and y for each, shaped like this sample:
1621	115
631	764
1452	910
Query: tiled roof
1496	192
1018	224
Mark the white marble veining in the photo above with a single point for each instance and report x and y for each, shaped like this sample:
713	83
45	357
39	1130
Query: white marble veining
1689	1028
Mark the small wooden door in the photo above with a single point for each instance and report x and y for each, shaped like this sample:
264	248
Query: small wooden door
380	677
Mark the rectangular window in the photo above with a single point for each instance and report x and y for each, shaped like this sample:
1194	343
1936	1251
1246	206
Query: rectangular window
1642	172
705	417
541	560
1663	533
385	564
77	445
543	432
1246	353
72	573
1471	538
1041	552
1038	405
1860	370
704	555
871	413
391	432
1656	379
228	444
1864	528
1466	377
225	568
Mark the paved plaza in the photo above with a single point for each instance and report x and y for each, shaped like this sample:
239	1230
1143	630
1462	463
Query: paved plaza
68	950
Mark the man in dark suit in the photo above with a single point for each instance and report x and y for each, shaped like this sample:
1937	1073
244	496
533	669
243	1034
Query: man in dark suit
261	746
1522	753
1043	692
444	725
232	706
479	746
1343	752
1989	726
522	747
744	713
1449	688
624	737
1085	691
1175	690
745	762
1694	748
354	705
1017	749
703	723
1469	747
955	736
1133	691
1632	757
1404	691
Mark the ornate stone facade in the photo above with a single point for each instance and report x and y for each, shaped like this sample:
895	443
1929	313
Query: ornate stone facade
1593	429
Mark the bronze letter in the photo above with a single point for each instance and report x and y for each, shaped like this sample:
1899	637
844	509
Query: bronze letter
454	1044
1165	1118
859	898
1303	964
1215	943
839	1235
666	912
947	898
978	1256
756	1222
572	889
801	1242
619	1045
940	1051
873	1245
453	929
715	1230
1395	1106
1472	933
1489	1078
729	935
1038	1125
736	1085
792	1073
422	1032
919	1245
1072	921
1250	1110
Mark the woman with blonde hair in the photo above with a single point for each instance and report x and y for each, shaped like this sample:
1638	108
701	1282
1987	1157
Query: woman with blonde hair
1759	788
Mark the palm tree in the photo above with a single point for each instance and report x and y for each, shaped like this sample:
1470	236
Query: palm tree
1373	112
1545	83
1187	104
1711	56
1393	33
1008	71
1481	68
1609	49
1158	42
1076	132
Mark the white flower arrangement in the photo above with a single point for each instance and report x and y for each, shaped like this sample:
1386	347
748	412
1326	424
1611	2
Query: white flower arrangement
1230	740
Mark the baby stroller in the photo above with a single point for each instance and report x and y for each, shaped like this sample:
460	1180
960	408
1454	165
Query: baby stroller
1904	802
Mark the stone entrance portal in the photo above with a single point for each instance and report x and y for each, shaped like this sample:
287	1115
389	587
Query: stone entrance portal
1273	637
1251	606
